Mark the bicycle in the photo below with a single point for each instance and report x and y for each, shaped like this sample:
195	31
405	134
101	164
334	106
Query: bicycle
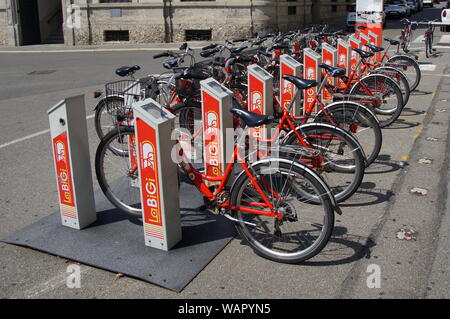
265	201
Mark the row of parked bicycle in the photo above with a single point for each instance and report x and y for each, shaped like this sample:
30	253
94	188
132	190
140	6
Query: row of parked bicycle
285	212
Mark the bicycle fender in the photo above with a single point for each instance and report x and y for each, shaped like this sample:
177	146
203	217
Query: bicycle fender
303	167
340	130
355	104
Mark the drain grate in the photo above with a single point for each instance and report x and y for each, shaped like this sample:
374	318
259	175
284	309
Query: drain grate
41	72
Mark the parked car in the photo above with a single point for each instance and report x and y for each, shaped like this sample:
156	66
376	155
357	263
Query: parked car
397	8
445	17
420	4
428	3
351	16
413	5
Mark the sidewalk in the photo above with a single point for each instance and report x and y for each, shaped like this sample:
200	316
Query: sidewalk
41	48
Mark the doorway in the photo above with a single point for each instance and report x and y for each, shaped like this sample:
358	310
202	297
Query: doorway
29	22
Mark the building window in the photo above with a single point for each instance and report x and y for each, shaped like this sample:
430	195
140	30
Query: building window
333	8
198	35
292	11
110	1
112	35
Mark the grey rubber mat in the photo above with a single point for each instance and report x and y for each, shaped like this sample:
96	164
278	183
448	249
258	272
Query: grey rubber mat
115	242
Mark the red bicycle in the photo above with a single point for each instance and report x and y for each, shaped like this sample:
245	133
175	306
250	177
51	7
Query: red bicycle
280	207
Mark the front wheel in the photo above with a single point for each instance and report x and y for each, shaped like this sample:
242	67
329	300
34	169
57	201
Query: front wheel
381	94
339	160
409	67
117	172
304	229
359	121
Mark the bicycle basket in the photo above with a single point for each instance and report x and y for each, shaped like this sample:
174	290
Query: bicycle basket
120	96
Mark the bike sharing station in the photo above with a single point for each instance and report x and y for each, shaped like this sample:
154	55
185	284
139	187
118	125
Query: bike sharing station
172	243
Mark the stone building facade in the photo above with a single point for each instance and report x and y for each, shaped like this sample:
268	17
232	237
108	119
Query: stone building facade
84	22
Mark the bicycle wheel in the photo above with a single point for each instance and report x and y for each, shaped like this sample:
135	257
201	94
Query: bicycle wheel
380	94
105	118
117	174
303	230
399	77
340	160
189	129
409	67
358	121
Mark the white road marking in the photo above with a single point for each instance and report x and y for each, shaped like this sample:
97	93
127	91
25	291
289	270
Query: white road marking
419	39
445	39
427	67
51	284
33	135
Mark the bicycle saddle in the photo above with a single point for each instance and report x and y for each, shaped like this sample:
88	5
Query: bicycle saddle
374	48
238	50
392	41
169	64
334	72
363	54
127	70
301	84
252	119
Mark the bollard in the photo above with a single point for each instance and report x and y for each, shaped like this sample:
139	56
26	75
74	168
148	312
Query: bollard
354	59
329	56
158	174
216	118
260	97
289	66
344	55
68	131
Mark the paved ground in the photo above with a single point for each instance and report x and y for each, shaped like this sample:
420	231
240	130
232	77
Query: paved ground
364	236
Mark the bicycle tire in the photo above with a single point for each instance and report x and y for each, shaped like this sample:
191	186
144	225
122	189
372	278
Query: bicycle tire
355	119
120	181
101	114
388	88
399	77
346	158
407	64
254	235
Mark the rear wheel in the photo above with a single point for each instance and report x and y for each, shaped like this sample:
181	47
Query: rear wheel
117	173
400	78
304	229
339	160
409	67
380	94
359	122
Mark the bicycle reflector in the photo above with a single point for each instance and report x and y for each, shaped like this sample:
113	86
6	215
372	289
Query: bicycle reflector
444	13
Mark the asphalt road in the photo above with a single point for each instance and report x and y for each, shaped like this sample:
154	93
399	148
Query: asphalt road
365	235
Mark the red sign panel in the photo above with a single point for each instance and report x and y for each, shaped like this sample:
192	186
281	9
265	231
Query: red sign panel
286	88
310	73
327	58
256	102
64	176
354	59
342	62
211	135
148	164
